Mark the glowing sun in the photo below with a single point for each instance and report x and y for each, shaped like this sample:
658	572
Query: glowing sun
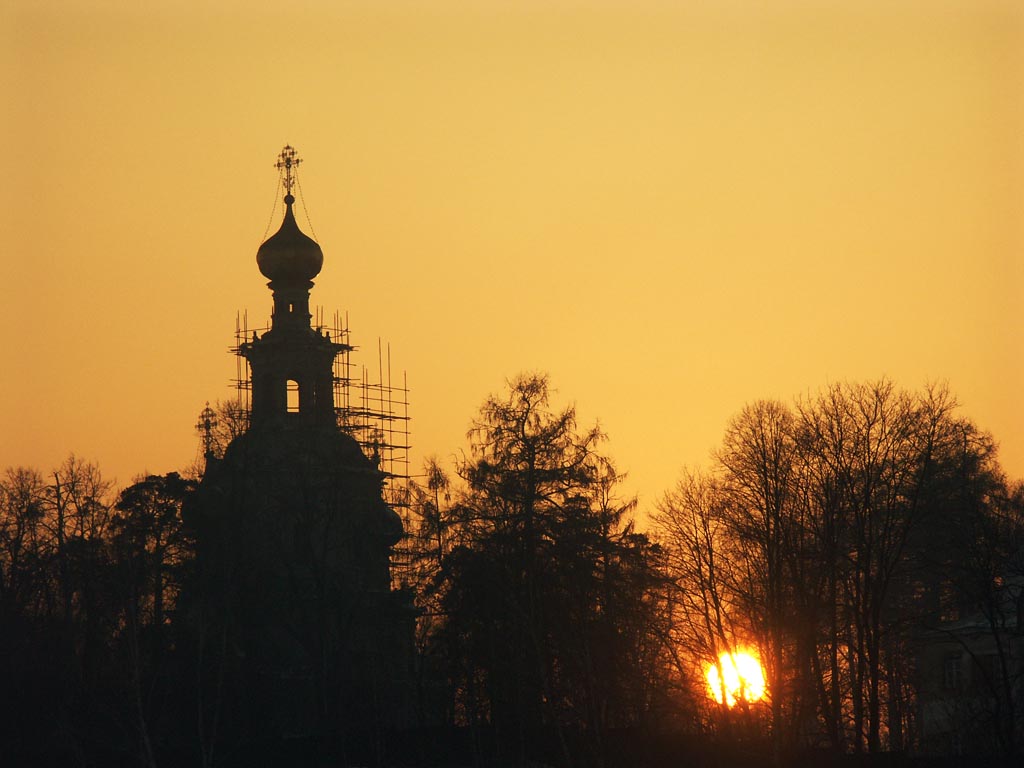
736	677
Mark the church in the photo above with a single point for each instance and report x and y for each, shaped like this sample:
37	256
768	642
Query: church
303	636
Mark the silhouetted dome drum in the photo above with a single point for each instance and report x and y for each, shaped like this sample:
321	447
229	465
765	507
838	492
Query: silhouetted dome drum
290	255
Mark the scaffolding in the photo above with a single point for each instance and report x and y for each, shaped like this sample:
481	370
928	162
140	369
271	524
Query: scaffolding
374	410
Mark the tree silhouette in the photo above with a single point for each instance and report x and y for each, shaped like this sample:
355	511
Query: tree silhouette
852	538
548	607
152	553
824	535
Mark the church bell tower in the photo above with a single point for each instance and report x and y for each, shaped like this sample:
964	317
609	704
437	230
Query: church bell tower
292	364
294	538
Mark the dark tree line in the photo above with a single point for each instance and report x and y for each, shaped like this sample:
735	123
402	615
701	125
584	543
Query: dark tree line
544	600
88	587
837	536
840	537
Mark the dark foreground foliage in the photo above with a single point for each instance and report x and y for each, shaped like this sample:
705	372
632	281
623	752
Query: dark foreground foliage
861	542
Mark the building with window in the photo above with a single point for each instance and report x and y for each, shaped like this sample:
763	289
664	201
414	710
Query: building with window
971	677
303	635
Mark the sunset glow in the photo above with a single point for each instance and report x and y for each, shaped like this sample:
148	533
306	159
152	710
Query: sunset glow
737	676
743	200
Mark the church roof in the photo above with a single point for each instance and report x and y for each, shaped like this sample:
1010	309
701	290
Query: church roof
289	255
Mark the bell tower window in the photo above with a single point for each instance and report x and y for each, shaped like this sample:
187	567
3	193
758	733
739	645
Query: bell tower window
292	367
292	396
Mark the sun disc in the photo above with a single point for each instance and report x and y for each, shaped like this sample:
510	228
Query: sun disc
736	677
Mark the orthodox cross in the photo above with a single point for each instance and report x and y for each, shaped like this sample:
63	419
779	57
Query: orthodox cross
287	162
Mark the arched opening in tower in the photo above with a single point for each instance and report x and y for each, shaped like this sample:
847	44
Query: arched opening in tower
292	387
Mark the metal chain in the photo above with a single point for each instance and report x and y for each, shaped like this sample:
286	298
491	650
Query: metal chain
305	208
273	210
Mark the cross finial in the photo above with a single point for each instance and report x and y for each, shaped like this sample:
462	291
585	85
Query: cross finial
286	163
205	426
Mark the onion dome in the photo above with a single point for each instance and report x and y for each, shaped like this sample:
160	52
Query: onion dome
290	255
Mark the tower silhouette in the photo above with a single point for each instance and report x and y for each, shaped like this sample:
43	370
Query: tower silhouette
292	364
294	538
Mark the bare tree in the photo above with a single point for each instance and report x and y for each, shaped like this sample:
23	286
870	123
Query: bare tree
757	459
77	516
825	516
691	525
24	549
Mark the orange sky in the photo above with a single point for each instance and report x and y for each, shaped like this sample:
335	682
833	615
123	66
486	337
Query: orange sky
672	207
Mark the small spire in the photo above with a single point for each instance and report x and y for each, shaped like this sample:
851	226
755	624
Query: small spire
287	163
205	426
